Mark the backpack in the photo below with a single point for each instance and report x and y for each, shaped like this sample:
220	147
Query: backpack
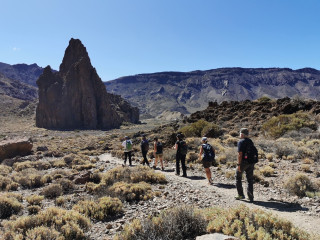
159	148
208	152
183	148
145	145
251	153
128	145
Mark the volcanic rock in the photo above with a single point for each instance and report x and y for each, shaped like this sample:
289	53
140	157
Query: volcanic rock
76	98
15	147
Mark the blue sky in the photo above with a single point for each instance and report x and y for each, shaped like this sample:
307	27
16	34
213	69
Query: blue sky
127	37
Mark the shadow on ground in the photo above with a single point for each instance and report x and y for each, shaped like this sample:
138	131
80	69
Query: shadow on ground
223	185
281	206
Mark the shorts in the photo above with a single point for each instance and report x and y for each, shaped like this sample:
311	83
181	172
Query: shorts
206	164
159	155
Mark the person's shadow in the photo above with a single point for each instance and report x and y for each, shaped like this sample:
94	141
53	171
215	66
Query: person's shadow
223	185
281	206
196	177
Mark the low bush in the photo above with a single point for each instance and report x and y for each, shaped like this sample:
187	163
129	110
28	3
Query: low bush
60	201
69	223
134	175
299	185
33	209
39	165
9	206
267	171
178	223
131	191
43	233
52	191
34	199
244	223
29	178
264	99
277	126
201	128
66	184
5	170
101	210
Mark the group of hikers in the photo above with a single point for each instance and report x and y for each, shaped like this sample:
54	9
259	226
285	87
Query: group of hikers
247	157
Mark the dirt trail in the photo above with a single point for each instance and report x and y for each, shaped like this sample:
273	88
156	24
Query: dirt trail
295	214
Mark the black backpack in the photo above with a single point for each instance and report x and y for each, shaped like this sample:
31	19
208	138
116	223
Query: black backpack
159	148
183	148
208	152
145	145
251	153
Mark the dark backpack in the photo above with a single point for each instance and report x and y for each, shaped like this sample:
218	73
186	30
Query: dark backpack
208	152
251	153
183	148
159	148
145	145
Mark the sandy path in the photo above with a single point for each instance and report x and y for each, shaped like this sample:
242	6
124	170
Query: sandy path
295	214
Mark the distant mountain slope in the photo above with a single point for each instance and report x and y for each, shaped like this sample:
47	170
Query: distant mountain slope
191	91
17	89
22	72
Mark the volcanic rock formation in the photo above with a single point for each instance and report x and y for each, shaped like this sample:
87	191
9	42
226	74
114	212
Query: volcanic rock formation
75	97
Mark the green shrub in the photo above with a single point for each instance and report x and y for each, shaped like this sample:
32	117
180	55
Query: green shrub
70	224
244	223
277	126
264	99
200	128
299	185
179	223
101	210
9	206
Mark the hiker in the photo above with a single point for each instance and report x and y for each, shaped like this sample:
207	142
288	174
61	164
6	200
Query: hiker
127	145
206	155
144	149
182	149
157	153
245	164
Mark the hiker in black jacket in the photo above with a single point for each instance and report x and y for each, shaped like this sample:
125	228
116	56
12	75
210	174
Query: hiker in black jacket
181	148
206	156
244	165
144	149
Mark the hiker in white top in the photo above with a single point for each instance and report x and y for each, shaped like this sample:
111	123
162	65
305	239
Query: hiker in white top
127	145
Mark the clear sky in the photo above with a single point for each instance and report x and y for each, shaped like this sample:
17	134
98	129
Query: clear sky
127	37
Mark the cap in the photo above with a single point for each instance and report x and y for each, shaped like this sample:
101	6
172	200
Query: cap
244	131
126	137
204	139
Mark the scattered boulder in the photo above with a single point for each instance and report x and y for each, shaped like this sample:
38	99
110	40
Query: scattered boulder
42	149
15	147
76	98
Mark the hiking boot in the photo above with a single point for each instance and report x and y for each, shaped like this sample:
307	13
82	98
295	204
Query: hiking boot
210	181
184	175
162	169
251	200
177	174
239	197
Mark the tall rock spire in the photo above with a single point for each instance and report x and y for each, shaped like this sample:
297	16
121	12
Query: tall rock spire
75	97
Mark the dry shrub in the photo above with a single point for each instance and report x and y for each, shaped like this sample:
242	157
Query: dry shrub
134	175
34	200
16	196
307	161
178	223
59	163
269	156
39	165
101	210
170	155
78	162
5	183
9	206
131	191
230	174
70	224
299	185
5	170
221	159
60	201
33	209
52	191
192	157
66	184
267	171
306	168
29	178
245	223
43	233
230	141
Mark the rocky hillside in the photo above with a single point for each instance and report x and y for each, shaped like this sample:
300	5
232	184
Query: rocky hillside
17	89
75	97
23	72
191	91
